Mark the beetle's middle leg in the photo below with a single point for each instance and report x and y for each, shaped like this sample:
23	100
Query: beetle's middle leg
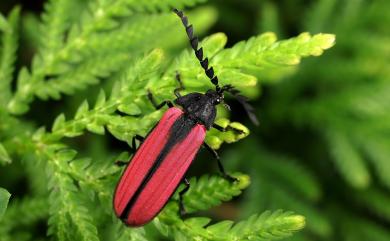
220	166
182	210
133	149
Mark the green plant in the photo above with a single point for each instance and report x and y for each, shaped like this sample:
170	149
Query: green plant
88	49
323	148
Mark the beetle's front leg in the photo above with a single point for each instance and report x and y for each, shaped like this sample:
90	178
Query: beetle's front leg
181	86
220	166
228	128
182	210
158	106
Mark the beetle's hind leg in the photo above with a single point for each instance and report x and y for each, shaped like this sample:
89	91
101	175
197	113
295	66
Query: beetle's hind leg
220	166
182	210
181	86
133	149
158	106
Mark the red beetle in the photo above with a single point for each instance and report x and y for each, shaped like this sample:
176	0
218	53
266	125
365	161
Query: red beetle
160	163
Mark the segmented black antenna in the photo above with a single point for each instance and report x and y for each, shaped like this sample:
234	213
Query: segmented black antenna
198	52
210	71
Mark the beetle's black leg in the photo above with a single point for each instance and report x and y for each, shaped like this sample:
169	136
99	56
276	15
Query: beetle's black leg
181	86
182	210
220	166
158	106
133	148
228	128
120	163
133	144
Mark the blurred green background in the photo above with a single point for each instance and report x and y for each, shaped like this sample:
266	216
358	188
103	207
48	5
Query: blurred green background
323	146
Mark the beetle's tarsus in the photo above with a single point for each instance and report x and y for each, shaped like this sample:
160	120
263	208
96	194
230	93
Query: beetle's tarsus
228	128
133	147
120	163
238	131
231	179
181	86
182	210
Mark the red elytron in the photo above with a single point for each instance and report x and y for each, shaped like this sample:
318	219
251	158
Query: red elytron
136	209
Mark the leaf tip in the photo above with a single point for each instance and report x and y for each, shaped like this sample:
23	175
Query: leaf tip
243	180
326	40
296	222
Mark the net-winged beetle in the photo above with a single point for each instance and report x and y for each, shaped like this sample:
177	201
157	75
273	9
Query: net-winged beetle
161	161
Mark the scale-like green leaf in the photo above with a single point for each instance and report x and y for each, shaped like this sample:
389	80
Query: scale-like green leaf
4	198
9	41
4	157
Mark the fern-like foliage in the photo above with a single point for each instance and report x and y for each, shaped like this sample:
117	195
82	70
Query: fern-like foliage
355	111
4	156
35	210
208	192
66	210
267	226
9	29
283	183
332	119
65	66
106	54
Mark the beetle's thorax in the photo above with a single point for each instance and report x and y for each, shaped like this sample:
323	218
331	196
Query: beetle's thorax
201	107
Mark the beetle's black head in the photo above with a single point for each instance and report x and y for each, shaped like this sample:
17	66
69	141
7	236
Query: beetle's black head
216	97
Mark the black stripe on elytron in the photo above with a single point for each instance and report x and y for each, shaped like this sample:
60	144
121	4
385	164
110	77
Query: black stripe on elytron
179	130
